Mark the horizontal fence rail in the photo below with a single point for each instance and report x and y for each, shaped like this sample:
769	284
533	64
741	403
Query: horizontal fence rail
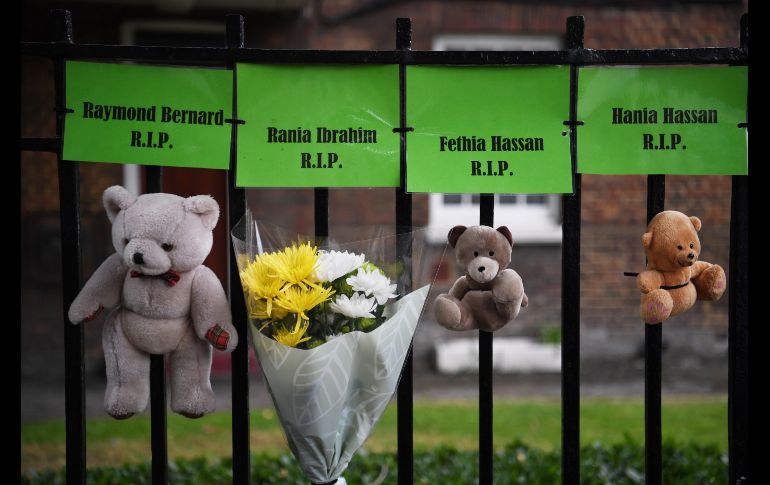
575	56
583	57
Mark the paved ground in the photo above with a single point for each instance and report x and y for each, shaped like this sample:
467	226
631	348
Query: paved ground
612	365
42	401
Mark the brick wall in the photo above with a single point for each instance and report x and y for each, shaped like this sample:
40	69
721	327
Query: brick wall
613	207
660	24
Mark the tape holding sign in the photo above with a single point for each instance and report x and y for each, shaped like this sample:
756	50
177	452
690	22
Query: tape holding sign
149	115
488	130
317	126
669	120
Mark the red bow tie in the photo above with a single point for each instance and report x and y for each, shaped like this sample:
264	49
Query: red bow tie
171	277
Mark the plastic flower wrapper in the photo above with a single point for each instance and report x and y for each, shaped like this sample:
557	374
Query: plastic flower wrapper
331	324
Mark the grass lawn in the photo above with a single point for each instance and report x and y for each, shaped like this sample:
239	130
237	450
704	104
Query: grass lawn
700	420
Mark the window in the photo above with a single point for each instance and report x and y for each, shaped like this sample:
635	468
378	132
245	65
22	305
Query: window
533	218
496	43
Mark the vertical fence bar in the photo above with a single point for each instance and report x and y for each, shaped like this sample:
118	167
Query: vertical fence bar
486	455
653	340
321	211
239	359
153	177
404	226
738	333
570	286
69	197
158	421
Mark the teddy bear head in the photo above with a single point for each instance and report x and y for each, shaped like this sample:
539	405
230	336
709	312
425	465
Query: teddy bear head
156	233
671	241
481	250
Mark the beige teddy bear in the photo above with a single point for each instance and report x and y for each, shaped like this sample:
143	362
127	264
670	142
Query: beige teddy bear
165	301
488	296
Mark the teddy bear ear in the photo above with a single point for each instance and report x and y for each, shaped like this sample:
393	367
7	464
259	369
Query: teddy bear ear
116	199
454	234
695	222
507	233
206	207
647	240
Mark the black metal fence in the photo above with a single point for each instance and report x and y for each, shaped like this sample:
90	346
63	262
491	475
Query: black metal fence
64	48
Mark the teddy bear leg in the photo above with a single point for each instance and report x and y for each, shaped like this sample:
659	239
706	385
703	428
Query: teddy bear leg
453	314
711	283
508	290
656	306
483	306
128	371
191	393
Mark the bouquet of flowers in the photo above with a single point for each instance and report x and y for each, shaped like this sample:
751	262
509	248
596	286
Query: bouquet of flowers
331	325
306	296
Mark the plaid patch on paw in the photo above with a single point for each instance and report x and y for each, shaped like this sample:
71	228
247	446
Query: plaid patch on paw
218	337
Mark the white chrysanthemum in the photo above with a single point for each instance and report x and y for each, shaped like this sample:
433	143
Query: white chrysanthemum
373	283
354	307
334	264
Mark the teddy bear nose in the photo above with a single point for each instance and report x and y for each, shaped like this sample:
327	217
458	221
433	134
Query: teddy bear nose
138	258
481	269
691	256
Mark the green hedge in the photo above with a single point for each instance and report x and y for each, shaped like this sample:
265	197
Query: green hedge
517	463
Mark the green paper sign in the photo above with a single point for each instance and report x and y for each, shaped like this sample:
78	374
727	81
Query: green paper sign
148	115
488	130
317	126
669	120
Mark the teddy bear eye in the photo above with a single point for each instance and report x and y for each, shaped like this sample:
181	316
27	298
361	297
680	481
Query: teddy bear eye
491	253
692	245
167	247
679	247
125	242
475	253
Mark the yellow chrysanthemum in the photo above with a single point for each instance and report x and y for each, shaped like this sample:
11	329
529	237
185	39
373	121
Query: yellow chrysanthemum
292	337
295	265
299	300
261	285
258	310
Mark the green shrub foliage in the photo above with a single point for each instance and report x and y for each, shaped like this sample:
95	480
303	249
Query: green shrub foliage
517	463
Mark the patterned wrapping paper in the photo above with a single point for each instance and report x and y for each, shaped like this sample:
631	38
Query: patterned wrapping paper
328	398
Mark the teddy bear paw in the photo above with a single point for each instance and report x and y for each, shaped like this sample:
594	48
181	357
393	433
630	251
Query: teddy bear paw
448	313
656	306
83	315
712	283
507	311
122	403
508	287
195	403
218	337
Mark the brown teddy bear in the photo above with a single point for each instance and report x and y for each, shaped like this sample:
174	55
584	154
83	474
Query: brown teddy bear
675	278
489	295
